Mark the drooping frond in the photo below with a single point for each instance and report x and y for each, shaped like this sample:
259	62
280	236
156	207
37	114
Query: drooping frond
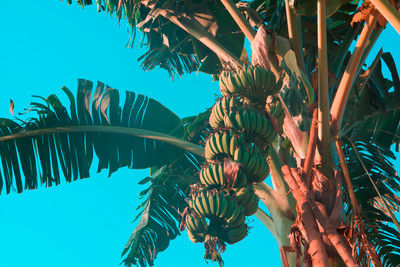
369	130
381	174
59	141
169	46
165	200
159	219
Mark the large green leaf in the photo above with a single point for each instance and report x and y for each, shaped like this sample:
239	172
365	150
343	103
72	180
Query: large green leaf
169	46
158	224
371	122
137	134
164	201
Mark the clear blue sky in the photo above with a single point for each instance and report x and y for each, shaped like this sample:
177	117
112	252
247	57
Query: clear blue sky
45	45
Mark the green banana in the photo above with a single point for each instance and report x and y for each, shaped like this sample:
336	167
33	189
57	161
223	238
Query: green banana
236	234
224	206
222	180
198	206
229	205
245	158
241	180
215	175
226	142
233	144
211	202
251	206
239	218
205	203
237	155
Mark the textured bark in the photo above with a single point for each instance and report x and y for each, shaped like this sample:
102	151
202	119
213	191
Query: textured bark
312	144
316	250
338	241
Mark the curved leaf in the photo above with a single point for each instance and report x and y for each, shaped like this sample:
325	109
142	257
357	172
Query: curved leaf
137	134
165	200
170	47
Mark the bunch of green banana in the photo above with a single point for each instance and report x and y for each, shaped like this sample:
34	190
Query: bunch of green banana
217	204
252	82
235	158
212	176
196	227
252	123
247	199
254	164
220	145
222	107
276	110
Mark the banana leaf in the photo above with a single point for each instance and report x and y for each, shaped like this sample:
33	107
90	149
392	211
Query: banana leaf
165	199
170	47
141	133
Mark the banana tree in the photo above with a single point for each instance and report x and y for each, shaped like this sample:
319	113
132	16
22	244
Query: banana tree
303	108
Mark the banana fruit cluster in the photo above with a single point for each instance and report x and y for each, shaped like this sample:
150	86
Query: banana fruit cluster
276	110
252	122
235	156
227	216
252	82
212	175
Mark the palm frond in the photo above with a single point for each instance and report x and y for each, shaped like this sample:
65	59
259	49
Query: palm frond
379	227
170	47
165	200
137	134
159	219
371	120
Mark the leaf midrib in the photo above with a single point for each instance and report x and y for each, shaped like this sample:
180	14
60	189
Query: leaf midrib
181	143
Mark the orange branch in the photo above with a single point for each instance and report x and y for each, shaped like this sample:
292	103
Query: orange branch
312	144
343	91
389	12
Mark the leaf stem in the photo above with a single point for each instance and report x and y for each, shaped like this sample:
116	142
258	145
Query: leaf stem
312	144
181	143
294	36
337	63
376	32
316	249
240	20
275	165
199	32
342	94
389	12
347	178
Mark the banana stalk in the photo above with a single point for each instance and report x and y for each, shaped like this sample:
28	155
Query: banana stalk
324	131
268	222
273	201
